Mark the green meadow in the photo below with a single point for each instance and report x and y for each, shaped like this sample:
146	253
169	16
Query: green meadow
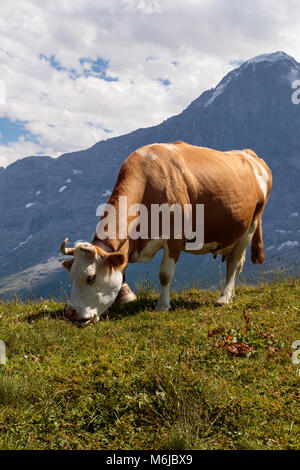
196	377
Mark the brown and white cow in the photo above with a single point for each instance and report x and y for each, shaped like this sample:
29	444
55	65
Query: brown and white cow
233	186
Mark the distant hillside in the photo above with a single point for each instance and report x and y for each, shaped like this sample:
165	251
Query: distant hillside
43	200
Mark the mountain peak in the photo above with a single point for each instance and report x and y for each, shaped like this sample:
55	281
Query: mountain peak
272	57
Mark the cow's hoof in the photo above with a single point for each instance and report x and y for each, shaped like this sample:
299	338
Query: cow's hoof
125	295
223	300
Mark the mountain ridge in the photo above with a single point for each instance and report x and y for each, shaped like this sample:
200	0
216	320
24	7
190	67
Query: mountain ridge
48	198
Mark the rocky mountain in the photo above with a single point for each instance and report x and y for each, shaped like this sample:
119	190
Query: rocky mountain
43	200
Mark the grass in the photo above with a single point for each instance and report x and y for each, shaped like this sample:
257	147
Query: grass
197	377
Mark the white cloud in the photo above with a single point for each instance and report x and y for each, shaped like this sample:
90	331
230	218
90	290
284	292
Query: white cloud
189	43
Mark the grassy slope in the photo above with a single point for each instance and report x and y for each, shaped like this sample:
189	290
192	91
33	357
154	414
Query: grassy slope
197	377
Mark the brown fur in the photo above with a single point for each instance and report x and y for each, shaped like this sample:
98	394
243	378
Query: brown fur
116	260
67	264
224	182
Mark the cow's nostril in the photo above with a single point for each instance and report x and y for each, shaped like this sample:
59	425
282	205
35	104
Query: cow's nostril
90	279
70	312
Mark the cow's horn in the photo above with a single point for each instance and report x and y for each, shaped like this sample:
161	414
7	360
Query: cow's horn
64	250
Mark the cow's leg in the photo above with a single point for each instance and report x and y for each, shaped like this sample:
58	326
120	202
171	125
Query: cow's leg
234	265
166	273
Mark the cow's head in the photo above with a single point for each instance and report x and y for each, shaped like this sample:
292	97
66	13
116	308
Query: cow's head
96	278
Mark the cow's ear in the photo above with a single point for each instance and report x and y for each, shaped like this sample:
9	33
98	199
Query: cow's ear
116	260
67	264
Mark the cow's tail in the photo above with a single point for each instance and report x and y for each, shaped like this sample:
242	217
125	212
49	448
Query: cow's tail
257	245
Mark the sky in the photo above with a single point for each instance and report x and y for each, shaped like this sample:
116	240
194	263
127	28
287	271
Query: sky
74	72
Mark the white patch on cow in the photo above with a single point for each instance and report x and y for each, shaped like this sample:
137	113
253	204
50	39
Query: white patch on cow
234	264
166	270
29	204
149	251
147	152
140	152
62	188
206	248
38	193
261	179
170	146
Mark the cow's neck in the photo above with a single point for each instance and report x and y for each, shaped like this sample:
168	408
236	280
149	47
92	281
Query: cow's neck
119	244
110	245
103	244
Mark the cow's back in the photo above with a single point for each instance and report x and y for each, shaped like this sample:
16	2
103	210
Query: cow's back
233	186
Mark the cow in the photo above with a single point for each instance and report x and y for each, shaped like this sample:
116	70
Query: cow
232	186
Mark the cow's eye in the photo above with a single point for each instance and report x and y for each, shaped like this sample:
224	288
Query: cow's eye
90	279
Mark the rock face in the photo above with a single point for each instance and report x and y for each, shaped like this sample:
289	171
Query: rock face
43	200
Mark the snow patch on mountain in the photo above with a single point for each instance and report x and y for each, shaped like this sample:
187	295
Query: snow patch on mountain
271	58
22	243
269	248
289	243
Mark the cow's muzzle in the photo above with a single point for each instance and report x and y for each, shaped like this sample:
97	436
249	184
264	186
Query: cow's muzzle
74	316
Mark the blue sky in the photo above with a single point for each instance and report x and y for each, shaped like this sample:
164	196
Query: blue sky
11	130
73	73
88	67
